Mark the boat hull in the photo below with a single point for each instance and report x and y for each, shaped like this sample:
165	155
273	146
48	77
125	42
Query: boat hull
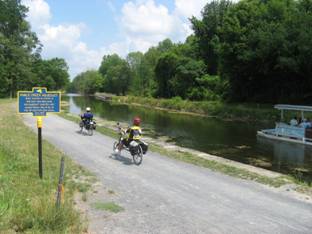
268	134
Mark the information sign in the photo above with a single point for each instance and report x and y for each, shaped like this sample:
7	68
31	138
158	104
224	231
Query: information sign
39	101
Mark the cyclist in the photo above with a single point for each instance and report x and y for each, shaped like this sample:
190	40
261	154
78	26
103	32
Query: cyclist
134	133
87	117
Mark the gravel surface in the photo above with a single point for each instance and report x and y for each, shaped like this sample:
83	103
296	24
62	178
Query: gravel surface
167	196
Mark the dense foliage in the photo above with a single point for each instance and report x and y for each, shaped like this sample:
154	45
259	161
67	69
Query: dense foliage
21	66
250	51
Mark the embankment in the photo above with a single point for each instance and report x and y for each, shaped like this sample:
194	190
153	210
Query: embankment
237	112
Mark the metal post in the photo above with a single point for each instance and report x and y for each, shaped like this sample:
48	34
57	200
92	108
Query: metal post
39	126
60	187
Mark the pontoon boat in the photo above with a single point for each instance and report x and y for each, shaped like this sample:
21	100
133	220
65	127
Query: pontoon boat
286	132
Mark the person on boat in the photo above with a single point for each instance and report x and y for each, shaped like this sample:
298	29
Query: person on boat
294	121
309	123
87	116
305	124
134	133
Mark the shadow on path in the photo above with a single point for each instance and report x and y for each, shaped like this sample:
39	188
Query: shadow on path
125	160
83	133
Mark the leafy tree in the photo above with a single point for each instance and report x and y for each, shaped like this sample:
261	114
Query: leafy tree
116	73
87	82
263	54
52	74
134	60
207	32
185	79
165	46
21	66
18	47
165	71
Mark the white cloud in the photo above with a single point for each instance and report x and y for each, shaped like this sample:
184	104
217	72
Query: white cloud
145	23
146	18
62	40
39	12
188	8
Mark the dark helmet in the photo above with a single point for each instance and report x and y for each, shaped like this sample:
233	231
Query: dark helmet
136	121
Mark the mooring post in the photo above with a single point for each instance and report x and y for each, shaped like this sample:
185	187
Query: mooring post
60	187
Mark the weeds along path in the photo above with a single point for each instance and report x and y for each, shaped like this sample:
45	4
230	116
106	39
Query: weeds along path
27	203
168	196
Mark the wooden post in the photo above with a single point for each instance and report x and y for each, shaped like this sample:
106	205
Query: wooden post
60	187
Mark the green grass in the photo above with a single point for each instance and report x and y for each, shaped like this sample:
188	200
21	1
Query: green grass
83	187
84	197
223	168
108	206
242	112
111	192
27	203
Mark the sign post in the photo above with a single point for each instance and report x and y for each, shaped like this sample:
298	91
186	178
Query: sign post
39	126
39	102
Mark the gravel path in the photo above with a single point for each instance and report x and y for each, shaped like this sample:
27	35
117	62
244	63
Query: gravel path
167	196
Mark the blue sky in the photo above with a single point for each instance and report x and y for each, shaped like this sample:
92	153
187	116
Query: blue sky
82	31
97	15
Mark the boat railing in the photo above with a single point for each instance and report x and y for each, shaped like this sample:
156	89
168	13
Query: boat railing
283	129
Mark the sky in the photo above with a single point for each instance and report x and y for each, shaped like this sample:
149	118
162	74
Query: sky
83	31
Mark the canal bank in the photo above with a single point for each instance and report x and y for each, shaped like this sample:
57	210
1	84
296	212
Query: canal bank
216	109
233	140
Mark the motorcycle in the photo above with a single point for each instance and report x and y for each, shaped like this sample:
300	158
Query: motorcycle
89	125
137	148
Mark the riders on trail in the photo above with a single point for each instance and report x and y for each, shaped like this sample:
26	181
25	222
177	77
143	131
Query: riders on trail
134	133
87	116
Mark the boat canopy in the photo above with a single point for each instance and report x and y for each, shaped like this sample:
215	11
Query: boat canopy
293	108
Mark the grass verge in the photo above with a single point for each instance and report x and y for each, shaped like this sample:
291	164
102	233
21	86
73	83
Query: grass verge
241	112
301	185
27	204
108	206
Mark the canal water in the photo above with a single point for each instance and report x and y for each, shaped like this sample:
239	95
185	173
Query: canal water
233	140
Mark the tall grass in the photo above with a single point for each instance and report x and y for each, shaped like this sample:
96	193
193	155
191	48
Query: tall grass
27	204
243	112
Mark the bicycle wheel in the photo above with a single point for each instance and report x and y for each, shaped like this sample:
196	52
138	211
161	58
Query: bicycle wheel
90	131
138	157
81	127
115	145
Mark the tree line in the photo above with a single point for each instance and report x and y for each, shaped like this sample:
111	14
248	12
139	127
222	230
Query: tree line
249	51
21	66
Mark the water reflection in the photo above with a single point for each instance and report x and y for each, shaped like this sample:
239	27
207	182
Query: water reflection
232	140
